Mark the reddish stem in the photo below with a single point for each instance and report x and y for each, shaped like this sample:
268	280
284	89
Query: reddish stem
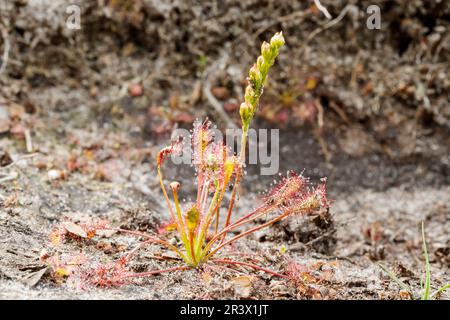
237	263
138	247
232	200
135	233
238	175
245	233
151	273
153	239
256	211
236	224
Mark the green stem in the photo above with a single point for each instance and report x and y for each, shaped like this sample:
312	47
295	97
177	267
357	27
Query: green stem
207	222
180	224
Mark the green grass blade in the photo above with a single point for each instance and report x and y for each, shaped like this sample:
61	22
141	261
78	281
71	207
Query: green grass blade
441	289
427	284
394	278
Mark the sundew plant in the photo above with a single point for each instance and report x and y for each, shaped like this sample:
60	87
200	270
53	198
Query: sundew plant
217	168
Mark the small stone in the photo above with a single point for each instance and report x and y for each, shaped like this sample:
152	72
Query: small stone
54	174
5	158
135	90
173	241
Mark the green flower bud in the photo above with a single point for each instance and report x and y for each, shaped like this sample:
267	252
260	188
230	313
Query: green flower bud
260	62
249	94
255	74
266	51
277	40
263	65
246	112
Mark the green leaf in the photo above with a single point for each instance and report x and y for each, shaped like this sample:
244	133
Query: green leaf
441	289
192	218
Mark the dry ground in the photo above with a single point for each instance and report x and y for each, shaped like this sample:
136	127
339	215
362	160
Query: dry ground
369	110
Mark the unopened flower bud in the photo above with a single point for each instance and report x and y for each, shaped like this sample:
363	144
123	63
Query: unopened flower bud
254	74
277	40
249	94
246	113
266	51
260	62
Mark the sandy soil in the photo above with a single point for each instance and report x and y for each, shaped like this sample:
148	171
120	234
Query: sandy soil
382	140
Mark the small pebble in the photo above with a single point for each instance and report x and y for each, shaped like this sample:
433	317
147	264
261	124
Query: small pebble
54	174
173	241
135	90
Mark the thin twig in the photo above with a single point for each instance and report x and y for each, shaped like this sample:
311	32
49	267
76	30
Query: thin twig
341	113
215	104
253	266
151	239
320	114
12	176
323	9
6	48
26	156
330	24
155	272
295	15
319	132
214	267
28	140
